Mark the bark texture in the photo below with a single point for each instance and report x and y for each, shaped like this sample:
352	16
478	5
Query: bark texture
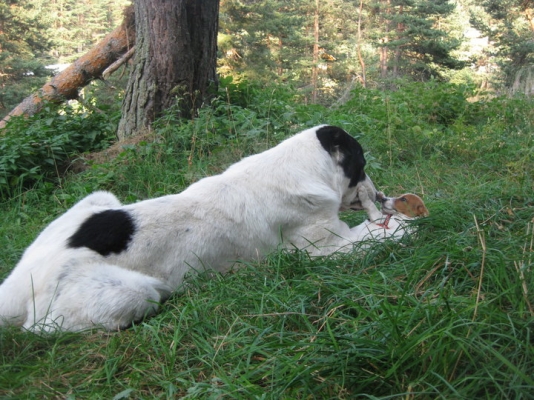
65	85
175	59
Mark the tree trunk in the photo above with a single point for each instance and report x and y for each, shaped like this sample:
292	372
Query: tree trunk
385	41
65	85
175	60
359	46
315	68
398	51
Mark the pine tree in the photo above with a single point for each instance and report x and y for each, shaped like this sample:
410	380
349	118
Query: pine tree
23	43
76	25
283	40
411	38
335	38
262	39
509	24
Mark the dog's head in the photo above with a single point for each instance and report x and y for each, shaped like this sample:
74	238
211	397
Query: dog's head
407	205
349	155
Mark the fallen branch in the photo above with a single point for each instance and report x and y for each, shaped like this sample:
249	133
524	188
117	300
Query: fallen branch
65	85
117	64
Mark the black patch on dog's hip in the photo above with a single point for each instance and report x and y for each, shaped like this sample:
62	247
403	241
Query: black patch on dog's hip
106	232
334	139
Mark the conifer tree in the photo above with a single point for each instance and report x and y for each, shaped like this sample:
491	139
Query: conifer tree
411	39
509	24
274	39
262	39
76	25
23	42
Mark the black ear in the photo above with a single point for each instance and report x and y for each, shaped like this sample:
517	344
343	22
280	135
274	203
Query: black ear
335	140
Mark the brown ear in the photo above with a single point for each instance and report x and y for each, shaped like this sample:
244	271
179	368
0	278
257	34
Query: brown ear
422	211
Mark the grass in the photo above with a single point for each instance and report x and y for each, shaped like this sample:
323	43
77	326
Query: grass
444	314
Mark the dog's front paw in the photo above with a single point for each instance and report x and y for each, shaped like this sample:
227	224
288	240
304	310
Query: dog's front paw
380	196
367	197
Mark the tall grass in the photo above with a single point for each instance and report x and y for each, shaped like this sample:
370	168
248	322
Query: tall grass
447	313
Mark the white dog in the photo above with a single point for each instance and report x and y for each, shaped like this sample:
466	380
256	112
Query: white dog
394	223
109	265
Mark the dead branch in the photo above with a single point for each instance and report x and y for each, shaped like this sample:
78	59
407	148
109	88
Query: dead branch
117	64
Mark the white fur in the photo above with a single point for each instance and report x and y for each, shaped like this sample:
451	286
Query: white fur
287	196
374	231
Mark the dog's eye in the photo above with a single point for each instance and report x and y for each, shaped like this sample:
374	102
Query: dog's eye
403	199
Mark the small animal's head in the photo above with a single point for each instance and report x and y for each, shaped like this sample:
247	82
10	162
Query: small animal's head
407	205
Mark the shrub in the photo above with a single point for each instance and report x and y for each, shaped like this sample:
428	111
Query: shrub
40	147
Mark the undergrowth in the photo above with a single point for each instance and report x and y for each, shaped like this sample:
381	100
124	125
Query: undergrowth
40	147
447	313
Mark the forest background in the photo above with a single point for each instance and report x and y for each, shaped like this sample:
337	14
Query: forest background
323	48
439	95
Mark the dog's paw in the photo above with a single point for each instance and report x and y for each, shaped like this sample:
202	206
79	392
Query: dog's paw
367	196
380	196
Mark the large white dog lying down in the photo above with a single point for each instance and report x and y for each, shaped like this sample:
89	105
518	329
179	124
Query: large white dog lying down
106	264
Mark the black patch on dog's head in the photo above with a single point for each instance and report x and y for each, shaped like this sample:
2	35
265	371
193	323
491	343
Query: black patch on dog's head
106	232
336	140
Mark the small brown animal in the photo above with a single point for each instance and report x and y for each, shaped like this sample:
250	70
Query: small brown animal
396	210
